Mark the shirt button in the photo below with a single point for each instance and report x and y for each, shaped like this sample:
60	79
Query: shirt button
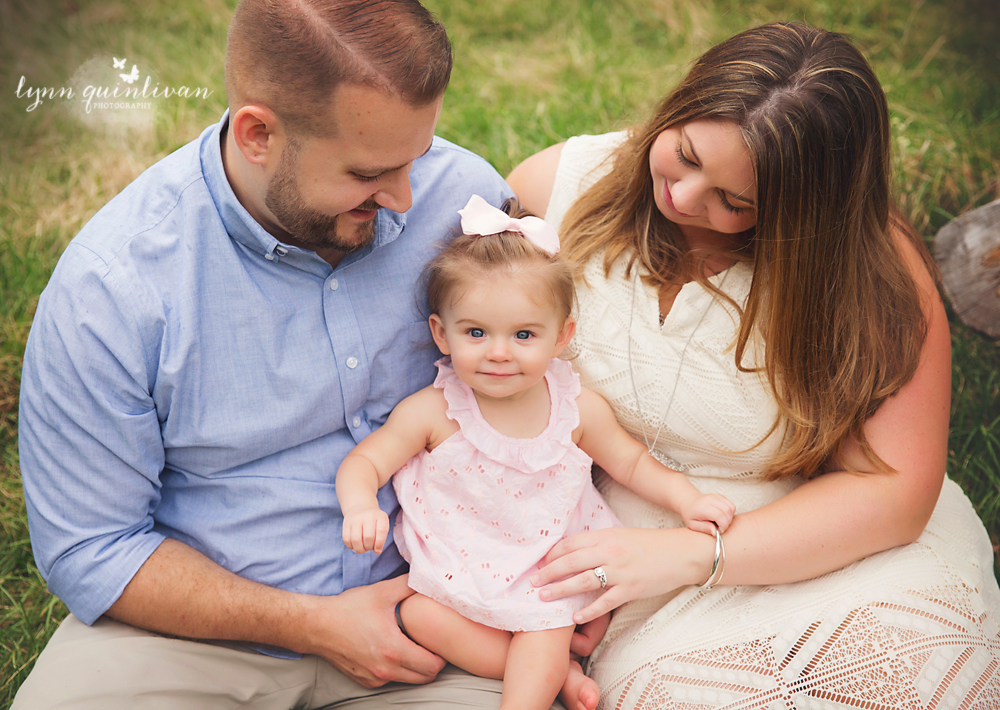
352	362
269	256
334	285
356	422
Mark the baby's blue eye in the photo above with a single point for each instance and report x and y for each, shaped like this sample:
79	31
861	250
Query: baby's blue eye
476	332
523	334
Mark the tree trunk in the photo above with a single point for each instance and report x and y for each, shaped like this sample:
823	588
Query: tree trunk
967	250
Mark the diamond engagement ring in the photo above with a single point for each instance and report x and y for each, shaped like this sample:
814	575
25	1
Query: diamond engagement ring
599	571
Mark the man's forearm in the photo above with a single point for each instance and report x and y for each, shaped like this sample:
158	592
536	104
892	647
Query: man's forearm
179	591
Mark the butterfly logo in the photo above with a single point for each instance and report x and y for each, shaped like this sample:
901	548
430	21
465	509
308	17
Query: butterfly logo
119	63
130	78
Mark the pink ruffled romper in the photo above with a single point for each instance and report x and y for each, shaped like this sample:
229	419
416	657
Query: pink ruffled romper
481	510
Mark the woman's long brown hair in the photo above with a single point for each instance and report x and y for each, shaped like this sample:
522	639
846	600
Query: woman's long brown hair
831	295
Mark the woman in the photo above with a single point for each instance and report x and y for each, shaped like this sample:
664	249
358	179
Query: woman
760	315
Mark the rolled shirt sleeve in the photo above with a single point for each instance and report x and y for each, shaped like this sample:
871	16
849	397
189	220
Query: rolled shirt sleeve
89	434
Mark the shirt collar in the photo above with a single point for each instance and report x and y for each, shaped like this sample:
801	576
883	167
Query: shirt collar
247	231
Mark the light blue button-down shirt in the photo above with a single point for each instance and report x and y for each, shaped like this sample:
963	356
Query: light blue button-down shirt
189	376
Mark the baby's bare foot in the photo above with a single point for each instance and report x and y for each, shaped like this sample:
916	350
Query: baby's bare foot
579	692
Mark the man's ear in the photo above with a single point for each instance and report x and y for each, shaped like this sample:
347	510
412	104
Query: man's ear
565	335
257	133
437	332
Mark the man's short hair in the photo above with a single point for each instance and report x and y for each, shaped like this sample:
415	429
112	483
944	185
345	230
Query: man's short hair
291	55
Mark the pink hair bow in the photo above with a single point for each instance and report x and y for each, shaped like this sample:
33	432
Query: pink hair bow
482	218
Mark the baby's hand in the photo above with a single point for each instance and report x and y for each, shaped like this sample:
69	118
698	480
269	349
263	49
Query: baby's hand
366	530
704	510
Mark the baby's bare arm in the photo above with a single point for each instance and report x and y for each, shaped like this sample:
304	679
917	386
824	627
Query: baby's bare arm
627	461
413	425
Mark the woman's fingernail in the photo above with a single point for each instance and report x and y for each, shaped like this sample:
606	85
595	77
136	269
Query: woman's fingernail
545	595
534	580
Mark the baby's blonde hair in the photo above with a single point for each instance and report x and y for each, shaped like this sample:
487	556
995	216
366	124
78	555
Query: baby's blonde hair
471	257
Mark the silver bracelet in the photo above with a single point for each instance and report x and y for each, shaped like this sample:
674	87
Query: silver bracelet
718	564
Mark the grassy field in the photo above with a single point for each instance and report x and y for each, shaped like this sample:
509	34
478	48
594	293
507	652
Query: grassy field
528	74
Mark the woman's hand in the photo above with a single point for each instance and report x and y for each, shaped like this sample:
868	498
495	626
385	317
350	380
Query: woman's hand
637	562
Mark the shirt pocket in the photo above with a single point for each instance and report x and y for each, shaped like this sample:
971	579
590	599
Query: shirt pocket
404	365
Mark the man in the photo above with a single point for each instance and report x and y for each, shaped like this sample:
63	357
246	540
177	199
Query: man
209	348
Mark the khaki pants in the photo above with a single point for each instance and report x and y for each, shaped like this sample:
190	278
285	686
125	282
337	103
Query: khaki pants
113	666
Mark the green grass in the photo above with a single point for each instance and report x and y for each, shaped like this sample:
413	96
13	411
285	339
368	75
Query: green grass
527	74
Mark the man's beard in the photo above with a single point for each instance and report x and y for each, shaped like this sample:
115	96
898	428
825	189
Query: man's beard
308	227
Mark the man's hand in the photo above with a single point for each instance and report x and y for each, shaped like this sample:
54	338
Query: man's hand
357	633
587	636
366	530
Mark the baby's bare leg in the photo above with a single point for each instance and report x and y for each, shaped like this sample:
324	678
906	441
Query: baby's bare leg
537	665
483	651
478	649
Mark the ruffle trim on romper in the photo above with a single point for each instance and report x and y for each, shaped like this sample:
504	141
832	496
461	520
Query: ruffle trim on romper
525	455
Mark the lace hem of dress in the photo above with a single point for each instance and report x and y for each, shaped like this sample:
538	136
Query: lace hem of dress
861	662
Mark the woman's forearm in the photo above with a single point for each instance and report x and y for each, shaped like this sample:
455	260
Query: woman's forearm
826	524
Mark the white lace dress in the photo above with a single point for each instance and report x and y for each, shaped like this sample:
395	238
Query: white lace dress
913	627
